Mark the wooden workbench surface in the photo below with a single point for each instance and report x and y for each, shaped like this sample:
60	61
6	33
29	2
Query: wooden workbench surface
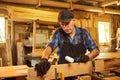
13	71
109	55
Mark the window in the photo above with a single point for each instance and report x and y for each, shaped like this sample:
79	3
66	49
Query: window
2	30
104	33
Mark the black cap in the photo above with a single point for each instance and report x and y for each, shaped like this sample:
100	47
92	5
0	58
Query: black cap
65	16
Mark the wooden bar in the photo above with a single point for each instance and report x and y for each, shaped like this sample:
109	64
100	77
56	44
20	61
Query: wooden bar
25	13
50	3
87	77
112	64
13	71
99	65
71	69
109	55
34	37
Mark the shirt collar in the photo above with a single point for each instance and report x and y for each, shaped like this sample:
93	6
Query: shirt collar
78	31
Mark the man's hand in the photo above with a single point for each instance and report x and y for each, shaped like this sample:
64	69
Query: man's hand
82	58
42	67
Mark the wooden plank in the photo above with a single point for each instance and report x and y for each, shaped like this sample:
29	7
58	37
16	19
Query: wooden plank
21	78
112	78
20	53
112	64
88	77
13	71
106	78
108	2
71	69
99	65
50	3
34	37
116	72
108	55
33	2
26	13
1	64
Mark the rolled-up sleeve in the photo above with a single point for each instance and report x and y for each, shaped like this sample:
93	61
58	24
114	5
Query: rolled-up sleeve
53	42
89	42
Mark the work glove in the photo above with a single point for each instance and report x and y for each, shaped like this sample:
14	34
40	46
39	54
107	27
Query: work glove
42	67
82	58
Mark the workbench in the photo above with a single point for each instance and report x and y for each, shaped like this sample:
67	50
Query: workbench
19	72
72	69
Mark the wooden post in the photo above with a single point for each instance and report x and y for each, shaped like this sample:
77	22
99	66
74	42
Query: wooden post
34	37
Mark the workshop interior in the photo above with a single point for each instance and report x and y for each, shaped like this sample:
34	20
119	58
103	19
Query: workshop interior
26	26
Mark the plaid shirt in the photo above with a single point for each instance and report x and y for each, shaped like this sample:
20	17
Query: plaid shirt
57	40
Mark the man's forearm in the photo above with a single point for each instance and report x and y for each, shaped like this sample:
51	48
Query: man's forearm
47	52
93	54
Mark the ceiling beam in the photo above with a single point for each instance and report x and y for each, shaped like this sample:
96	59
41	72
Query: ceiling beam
21	14
72	0
108	2
57	4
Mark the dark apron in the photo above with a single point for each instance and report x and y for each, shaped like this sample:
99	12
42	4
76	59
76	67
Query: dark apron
71	50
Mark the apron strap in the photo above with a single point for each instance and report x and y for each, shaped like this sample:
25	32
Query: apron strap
81	35
64	36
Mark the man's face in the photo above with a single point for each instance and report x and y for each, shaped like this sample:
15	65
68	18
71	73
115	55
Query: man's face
68	27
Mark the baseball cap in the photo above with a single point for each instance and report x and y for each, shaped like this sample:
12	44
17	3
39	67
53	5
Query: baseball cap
65	16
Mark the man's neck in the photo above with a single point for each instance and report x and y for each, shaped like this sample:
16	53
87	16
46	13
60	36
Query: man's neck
72	34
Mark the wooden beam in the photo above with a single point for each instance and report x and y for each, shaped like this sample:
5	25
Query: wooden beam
50	3
34	37
72	0
33	2
108	2
109	55
71	69
28	14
